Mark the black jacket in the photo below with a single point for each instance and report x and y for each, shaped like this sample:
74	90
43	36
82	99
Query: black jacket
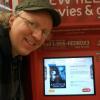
5	68
5	65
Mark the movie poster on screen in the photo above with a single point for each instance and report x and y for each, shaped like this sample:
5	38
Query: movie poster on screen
57	76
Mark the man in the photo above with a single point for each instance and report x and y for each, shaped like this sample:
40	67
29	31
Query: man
27	30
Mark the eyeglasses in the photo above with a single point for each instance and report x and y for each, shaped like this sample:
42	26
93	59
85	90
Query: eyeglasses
33	26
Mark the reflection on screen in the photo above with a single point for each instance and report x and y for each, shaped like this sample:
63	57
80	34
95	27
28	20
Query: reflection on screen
69	76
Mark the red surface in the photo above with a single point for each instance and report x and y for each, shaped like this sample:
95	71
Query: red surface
37	65
76	13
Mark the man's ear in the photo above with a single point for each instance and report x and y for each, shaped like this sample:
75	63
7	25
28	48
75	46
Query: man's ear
11	19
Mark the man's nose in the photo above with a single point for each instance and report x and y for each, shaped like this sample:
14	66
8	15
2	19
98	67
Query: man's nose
37	35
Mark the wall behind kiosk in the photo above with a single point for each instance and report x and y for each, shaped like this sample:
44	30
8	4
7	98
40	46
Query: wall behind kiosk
61	45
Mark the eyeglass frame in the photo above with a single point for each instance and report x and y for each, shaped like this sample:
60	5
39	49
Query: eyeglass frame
33	25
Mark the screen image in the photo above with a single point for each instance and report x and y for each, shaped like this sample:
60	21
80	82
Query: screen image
69	76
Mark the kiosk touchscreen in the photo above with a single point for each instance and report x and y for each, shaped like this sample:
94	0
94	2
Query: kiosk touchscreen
69	76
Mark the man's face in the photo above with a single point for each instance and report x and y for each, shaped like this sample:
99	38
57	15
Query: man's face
29	31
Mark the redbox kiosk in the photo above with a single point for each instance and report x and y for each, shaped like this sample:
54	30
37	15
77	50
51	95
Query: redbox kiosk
66	67
68	72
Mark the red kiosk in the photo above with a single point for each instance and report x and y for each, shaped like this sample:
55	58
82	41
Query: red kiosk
73	53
